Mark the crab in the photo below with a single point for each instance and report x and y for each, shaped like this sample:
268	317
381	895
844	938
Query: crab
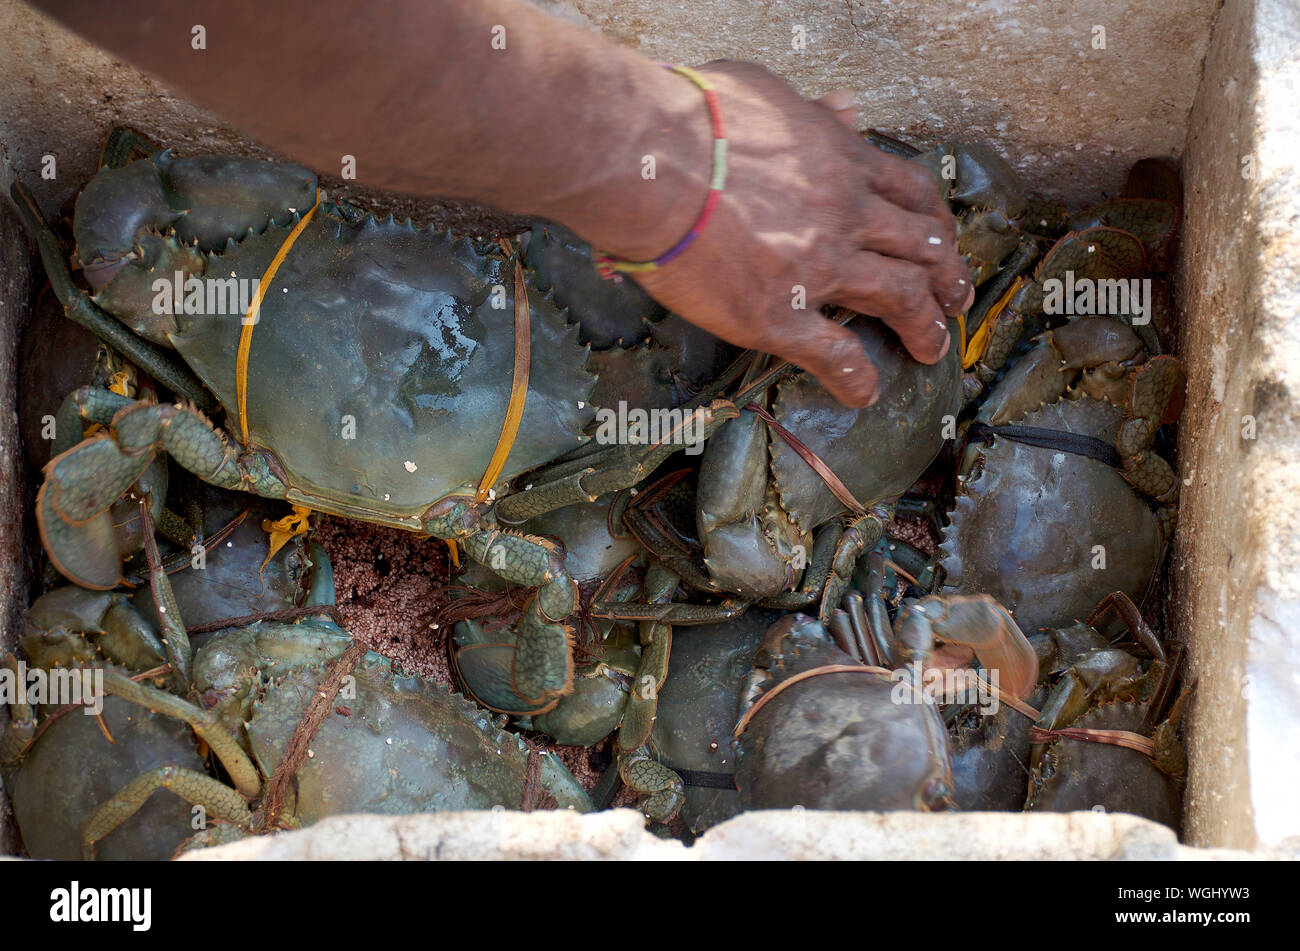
382	741
1061	498
763	486
1135	762
70	627
848	736
769	526
774	710
1063	751
375	375
1000	229
988	198
1118	240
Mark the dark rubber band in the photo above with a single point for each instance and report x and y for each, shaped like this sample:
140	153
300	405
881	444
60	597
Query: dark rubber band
707	780
1076	443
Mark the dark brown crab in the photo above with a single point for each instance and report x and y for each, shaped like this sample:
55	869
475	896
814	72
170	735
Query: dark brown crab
1052	509
1103	736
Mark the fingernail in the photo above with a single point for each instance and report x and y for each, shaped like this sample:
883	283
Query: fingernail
970	297
947	342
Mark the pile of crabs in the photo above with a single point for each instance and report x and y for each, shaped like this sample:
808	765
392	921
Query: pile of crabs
725	600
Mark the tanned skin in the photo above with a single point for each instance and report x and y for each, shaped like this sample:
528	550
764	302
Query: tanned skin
556	125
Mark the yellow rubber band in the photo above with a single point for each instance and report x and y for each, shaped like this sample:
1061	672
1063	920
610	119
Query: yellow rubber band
281	532
519	384
975	348
250	319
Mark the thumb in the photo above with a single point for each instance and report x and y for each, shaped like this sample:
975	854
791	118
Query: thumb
841	103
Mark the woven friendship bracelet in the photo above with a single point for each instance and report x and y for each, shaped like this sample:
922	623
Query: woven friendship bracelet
608	265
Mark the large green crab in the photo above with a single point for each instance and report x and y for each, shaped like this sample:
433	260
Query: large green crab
377	378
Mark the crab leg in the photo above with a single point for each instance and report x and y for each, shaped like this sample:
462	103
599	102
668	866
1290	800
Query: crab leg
662	789
220	802
860	536
20	729
87	404
656	646
124	145
542	669
204	723
616	468
680	614
665	547
176	640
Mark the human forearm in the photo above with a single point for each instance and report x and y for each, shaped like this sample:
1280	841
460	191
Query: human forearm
425	98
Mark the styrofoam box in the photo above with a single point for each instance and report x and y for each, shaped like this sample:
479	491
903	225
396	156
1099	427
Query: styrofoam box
1073	93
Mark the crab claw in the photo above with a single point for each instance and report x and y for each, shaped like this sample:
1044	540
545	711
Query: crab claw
981	624
86	553
484	672
75	512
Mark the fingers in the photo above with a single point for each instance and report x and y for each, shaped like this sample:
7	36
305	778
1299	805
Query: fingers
889	230
898	292
905	183
831	353
905	217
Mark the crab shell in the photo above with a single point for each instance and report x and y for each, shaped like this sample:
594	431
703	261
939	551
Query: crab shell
879	451
988	757
392	743
235	578
72	768
1050	533
401	745
391	334
1077	775
840	740
633	338
698	709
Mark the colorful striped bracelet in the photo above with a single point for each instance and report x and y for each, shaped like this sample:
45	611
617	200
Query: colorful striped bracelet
608	265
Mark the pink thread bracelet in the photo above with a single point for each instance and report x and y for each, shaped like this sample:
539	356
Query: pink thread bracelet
607	264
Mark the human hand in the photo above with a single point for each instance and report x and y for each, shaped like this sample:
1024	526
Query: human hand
808	204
